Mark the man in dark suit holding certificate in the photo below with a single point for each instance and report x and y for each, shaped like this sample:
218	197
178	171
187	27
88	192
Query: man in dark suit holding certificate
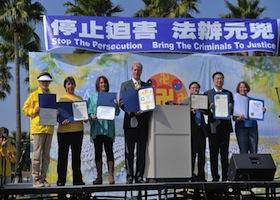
135	125
220	129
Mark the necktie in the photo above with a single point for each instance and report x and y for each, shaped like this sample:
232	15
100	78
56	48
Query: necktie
136	85
198	117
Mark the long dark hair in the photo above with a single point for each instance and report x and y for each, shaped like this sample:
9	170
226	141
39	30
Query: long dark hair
97	83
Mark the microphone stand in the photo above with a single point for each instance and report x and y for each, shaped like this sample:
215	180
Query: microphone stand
277	97
18	173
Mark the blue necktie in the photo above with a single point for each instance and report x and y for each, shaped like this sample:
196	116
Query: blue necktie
197	117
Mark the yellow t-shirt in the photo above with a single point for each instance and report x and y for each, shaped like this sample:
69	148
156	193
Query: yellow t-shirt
72	126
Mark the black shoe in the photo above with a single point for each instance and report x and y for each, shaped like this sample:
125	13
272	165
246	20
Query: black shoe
140	181
60	184
129	180
79	183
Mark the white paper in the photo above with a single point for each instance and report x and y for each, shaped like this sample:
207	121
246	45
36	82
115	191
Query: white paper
240	105
80	111
255	109
105	112
221	105
48	116
199	101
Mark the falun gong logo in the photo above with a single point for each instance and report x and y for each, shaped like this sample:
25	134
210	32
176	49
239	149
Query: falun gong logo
168	88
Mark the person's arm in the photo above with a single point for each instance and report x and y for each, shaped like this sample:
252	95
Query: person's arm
11	153
29	108
121	104
91	104
117	107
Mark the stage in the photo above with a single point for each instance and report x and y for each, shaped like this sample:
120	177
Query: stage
157	190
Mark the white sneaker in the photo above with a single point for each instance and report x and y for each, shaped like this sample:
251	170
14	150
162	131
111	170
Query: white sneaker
38	184
46	183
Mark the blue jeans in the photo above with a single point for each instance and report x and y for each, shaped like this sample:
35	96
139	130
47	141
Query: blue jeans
247	139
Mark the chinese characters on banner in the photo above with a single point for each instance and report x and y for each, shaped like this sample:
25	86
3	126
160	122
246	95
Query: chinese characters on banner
186	35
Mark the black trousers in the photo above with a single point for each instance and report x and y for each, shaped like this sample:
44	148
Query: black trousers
198	144
99	141
66	140
219	144
135	137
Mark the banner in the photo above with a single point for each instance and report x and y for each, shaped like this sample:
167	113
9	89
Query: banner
185	35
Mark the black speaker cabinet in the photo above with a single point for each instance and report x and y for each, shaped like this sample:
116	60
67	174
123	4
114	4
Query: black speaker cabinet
251	167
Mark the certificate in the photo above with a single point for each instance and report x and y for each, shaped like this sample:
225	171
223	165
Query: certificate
106	107
199	101
139	100
80	111
221	108
146	99
255	111
47	116
47	104
72	111
240	105
249	107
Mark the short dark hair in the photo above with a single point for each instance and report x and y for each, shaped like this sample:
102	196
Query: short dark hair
69	79
245	83
217	73
105	80
194	82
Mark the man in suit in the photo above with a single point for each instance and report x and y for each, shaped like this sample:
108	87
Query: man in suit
199	131
220	130
135	125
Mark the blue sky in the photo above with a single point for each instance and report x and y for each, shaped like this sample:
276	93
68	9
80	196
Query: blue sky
208	9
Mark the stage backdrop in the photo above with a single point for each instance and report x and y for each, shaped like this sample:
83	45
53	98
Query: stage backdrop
171	75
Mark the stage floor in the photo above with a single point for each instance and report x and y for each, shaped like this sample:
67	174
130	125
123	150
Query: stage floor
157	190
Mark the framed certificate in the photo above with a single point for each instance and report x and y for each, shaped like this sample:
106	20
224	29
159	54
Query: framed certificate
146	99
221	105
199	101
106	107
72	111
139	100
255	111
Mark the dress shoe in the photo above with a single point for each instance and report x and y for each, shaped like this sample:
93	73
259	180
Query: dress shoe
140	181
60	184
79	183
129	180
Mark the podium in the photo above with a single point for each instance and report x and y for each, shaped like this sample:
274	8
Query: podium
168	154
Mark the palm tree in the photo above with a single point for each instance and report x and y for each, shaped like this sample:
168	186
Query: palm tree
5	76
19	16
168	8
244	9
91	8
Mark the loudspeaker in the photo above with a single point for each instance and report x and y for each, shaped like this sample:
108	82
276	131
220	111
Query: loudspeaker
251	167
